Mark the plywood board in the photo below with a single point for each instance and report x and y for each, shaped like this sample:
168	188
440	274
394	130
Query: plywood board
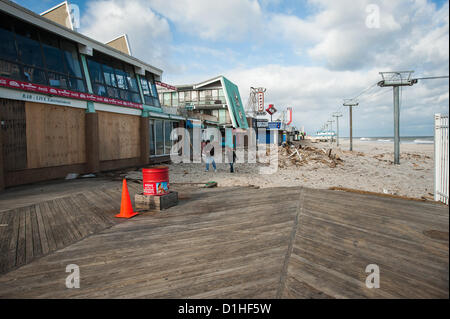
119	136
13	134
55	135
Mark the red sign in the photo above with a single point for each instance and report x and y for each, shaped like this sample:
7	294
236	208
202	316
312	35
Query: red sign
271	109
167	86
260	101
289	109
25	86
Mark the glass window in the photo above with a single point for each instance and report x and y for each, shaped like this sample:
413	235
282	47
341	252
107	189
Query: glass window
76	84
168	142
10	70
135	97
181	98
58	80
132	83
145	87
99	89
95	71
208	94
7	42
28	45
187	96
148	100
194	96
215	94
174	99
121	79
34	75
202	95
124	95
159	137
221	92
110	78
70	54
52	54
152	138
167	99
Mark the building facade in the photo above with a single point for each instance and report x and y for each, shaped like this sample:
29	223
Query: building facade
215	102
70	104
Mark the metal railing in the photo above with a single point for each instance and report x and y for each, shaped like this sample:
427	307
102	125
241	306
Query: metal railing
441	158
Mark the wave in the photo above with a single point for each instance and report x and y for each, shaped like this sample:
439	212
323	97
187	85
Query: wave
423	142
382	140
365	139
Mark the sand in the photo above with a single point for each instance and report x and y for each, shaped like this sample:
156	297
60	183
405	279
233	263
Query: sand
369	167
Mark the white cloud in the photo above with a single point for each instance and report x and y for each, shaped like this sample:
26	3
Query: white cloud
212	20
149	33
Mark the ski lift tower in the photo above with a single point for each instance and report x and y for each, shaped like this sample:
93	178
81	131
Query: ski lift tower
351	103
397	79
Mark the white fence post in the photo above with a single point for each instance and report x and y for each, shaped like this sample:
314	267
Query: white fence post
441	159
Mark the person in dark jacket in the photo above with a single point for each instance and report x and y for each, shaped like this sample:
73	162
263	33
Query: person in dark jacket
209	152
231	158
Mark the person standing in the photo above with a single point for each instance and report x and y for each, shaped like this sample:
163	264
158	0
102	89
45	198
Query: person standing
209	152
231	158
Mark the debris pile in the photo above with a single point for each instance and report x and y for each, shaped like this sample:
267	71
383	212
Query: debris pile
289	156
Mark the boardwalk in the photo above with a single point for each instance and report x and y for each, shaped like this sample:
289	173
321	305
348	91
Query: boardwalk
248	243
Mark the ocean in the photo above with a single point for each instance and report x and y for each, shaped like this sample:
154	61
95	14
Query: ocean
403	139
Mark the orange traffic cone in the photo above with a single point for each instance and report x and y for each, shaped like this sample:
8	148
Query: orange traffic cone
126	210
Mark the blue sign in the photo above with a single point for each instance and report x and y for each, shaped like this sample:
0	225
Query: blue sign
274	125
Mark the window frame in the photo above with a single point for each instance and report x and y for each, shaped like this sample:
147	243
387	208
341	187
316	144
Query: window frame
115	65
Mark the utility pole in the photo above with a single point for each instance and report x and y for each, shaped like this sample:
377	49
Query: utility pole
397	79
351	103
337	115
331	131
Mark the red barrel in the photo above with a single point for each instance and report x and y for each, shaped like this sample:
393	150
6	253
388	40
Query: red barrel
156	180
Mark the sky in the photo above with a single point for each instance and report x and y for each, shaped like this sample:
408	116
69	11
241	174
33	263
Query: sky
309	54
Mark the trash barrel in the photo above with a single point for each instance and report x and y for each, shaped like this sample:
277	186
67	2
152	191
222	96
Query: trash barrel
156	180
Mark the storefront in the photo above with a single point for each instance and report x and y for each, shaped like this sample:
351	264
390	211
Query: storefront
70	104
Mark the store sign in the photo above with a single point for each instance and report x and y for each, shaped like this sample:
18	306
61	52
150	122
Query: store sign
271	109
260	101
262	123
274	125
165	85
36	88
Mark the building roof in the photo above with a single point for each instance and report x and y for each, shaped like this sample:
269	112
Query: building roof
85	43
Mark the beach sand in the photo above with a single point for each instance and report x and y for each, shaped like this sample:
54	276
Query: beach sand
369	168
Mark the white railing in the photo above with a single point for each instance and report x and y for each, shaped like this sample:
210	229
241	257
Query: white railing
441	158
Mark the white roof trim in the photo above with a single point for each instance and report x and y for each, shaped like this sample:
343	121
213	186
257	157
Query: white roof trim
199	85
55	7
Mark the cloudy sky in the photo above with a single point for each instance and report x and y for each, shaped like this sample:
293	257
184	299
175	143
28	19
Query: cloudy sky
309	54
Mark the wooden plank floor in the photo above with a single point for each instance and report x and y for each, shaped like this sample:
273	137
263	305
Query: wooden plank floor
35	230
241	243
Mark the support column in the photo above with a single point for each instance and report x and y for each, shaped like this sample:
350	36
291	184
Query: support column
145	140
92	143
396	125
351	130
